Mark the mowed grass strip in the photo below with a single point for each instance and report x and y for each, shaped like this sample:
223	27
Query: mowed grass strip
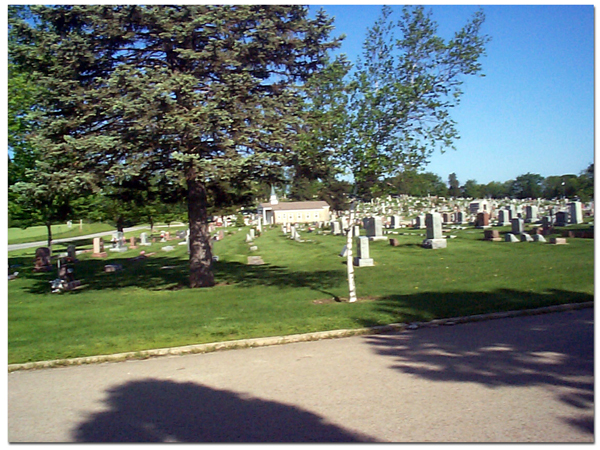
40	233
300	288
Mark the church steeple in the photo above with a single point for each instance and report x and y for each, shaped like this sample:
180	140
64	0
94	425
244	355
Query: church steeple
274	200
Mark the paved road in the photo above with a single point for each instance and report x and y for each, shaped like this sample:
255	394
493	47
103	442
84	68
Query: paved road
525	379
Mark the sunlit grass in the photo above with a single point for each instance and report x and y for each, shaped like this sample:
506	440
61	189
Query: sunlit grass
148	304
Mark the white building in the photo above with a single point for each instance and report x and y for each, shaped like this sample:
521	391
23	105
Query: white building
274	212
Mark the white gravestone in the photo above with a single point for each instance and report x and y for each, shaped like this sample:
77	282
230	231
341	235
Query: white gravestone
435	238
362	250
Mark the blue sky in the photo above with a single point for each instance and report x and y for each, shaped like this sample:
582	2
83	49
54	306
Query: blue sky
534	109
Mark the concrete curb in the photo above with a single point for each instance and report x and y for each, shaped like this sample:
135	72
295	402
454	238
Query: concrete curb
278	340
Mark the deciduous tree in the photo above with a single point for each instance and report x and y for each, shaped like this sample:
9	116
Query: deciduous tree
403	91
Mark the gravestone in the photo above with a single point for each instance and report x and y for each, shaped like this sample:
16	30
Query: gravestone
144	239
374	228
394	242
72	251
99	248
531	214
558	241
255	261
335	227
363	258
538	238
395	222
435	238
575	212
491	235
344	224
517	226
483	220
118	242
344	251
526	237
132	242
503	217
42	260
562	219
460	217
420	222
509	237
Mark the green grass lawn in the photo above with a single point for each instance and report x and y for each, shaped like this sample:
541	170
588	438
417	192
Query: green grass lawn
148	304
40	233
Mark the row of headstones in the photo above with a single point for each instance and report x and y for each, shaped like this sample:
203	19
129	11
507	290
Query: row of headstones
118	242
434	238
504	214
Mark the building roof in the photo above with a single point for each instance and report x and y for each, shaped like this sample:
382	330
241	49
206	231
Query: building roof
294	206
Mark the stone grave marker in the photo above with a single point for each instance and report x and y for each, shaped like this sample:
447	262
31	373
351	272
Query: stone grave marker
558	241
531	214
255	261
526	237
118	242
483	220
509	237
374	228
434	237
491	235
575	213
562	219
517	226
99	248
42	260
144	239
335	227
363	258
503	217
72	251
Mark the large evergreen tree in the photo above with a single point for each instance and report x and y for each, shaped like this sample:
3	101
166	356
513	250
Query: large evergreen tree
197	94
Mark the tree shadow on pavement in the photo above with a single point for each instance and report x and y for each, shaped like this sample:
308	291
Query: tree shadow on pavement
554	350
154	410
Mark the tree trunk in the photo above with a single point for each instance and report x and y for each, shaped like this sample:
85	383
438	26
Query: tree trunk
49	228
201	274
120	224
350	259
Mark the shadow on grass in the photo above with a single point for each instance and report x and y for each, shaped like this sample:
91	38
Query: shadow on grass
553	350
436	305
154	410
168	273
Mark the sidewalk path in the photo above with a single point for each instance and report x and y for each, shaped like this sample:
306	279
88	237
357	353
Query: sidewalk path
524	379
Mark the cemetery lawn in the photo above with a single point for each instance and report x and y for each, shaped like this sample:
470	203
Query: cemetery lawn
300	288
40	233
